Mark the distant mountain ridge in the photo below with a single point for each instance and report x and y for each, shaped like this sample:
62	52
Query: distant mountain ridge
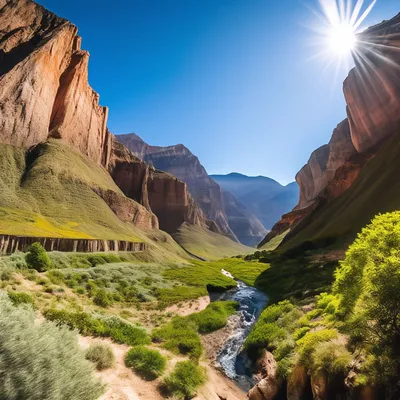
264	197
230	216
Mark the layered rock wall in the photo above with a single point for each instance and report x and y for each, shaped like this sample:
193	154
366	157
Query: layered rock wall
44	89
11	244
158	191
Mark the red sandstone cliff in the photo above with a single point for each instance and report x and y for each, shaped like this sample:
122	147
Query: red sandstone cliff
156	190
372	93
230	217
44	90
44	93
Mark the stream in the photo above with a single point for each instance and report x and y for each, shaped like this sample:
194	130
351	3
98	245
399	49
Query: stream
232	361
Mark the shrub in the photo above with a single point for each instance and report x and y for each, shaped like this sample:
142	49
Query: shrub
331	357
96	259
18	298
179	336
215	316
37	257
308	343
98	325
55	276
146	362
185	379
102	299
101	355
40	361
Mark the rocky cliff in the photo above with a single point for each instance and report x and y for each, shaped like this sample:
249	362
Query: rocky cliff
158	191
230	217
372	94
45	95
44	91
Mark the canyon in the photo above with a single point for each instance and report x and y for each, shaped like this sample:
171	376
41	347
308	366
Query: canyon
230	216
45	96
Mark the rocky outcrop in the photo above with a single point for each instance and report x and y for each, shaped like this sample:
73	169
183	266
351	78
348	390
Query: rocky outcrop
44	90
248	228
11	244
159	192
372	89
268	387
180	162
372	93
323	164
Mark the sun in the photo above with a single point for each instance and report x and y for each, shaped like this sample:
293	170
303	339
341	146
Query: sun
342	38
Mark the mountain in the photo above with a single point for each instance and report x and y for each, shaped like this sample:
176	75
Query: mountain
230	216
264	197
355	176
64	175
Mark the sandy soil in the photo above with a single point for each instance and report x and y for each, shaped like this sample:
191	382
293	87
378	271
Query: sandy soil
189	307
123	384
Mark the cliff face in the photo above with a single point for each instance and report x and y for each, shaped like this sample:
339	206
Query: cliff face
372	93
180	162
45	95
44	90
158	191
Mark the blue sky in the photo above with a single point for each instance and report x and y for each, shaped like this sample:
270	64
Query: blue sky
233	80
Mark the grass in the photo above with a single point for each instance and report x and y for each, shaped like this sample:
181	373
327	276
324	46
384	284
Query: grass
246	271
101	355
181	334
100	325
39	195
214	316
208	245
146	362
184	380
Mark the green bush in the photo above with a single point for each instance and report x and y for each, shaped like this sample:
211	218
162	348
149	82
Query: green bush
102	298
179	336
308	343
18	298
55	276
331	357
37	258
214	316
99	325
40	361
101	355
148	363
185	379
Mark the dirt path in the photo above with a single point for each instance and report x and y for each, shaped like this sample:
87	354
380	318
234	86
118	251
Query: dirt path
189	307
123	384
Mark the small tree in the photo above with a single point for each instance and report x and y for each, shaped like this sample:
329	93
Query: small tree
368	288
37	257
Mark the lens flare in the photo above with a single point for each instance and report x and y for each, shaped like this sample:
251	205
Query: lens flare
337	30
342	38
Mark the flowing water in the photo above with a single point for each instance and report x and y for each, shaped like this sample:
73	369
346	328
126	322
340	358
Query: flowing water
233	362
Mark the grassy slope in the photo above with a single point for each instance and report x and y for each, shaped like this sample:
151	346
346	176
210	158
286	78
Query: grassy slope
53	196
208	245
376	190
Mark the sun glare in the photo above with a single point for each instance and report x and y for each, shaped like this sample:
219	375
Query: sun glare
342	39
339	23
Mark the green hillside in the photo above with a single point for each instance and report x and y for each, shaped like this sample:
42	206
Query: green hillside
49	192
208	245
376	190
